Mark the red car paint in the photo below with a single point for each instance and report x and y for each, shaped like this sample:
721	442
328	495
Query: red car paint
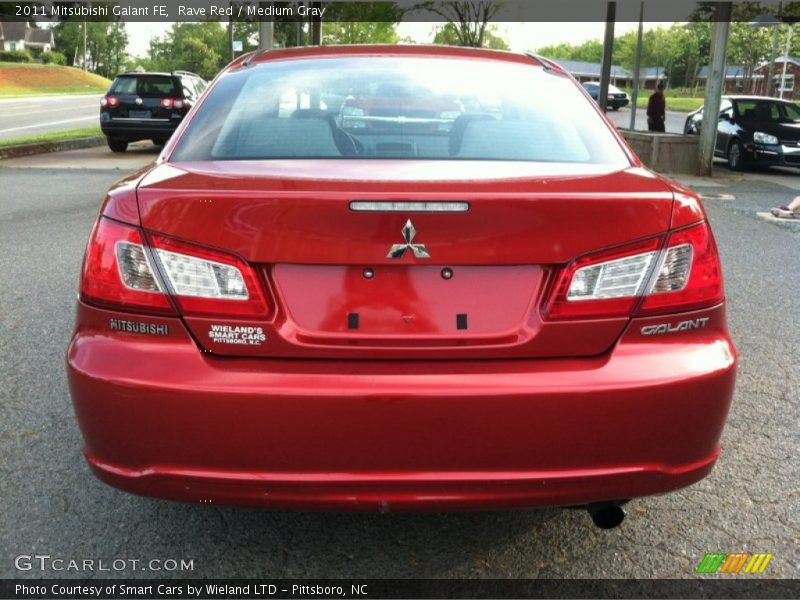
527	406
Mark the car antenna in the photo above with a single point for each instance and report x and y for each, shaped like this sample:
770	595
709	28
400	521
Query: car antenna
253	56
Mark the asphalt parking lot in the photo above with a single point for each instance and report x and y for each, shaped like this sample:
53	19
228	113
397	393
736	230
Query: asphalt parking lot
52	504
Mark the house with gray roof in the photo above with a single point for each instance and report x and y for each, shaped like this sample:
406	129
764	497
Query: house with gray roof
620	76
739	79
18	35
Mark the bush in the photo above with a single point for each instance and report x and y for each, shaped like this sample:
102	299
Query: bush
15	56
53	58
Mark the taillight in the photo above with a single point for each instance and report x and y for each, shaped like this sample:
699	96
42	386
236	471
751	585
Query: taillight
118	271
689	275
176	103
683	275
207	282
122	271
110	101
604	284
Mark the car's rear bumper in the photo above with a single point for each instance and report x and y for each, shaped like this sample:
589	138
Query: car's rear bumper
161	418
136	129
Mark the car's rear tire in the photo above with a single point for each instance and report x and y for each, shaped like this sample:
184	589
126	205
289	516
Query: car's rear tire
735	156
117	145
615	108
159	141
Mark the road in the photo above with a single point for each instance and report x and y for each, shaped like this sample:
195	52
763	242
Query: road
22	117
622	117
53	505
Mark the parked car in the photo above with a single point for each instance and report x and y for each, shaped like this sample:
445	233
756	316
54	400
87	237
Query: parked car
754	131
616	97
141	106
282	312
399	106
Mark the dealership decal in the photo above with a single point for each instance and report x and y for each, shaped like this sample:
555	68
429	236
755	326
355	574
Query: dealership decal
237	335
139	327
670	328
739	562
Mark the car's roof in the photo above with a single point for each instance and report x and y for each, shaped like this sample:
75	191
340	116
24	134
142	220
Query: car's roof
143	74
428	50
752	97
155	73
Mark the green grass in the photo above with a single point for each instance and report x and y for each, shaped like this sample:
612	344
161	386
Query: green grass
683	99
32	79
54	136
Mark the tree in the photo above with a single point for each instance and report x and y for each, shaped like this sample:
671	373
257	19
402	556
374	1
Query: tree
106	43
285	29
447	34
588	51
359	33
468	18
197	47
362	23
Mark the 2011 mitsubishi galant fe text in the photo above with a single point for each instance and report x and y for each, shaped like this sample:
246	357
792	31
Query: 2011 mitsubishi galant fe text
400	277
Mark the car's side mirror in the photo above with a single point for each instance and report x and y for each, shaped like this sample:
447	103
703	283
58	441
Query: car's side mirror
725	117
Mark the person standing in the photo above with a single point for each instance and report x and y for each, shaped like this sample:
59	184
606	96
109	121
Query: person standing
656	109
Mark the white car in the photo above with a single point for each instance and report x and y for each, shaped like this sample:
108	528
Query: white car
616	97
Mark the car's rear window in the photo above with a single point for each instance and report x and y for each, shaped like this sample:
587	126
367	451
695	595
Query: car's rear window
154	86
395	107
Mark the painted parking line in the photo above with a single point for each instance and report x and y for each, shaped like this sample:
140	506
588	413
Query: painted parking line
40	125
727	197
773	219
51	98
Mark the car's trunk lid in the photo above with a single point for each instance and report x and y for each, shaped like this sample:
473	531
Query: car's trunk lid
337	289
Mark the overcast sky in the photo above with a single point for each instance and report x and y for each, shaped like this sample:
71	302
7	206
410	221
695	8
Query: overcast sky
520	36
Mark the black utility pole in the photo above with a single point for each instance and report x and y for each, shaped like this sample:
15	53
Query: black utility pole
608	50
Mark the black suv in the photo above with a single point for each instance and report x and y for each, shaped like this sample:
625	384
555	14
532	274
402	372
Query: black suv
141	106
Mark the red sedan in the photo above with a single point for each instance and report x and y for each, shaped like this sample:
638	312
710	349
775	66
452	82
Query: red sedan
500	309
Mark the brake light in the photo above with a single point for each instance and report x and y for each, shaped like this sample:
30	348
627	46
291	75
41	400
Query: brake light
206	282
118	271
683	275
122	271
686	280
110	101
604	284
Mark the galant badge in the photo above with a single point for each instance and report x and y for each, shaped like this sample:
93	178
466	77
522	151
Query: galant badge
398	250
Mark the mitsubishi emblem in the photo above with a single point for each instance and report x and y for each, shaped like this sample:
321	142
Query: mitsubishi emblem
398	250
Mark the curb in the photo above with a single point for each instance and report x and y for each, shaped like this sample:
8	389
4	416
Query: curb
44	147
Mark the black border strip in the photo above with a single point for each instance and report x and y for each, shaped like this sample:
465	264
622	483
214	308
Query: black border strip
412	10
743	586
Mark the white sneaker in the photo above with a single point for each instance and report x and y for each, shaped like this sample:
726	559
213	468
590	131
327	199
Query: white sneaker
784	213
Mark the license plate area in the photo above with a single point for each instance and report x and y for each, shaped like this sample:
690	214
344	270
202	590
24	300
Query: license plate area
406	301
140	114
